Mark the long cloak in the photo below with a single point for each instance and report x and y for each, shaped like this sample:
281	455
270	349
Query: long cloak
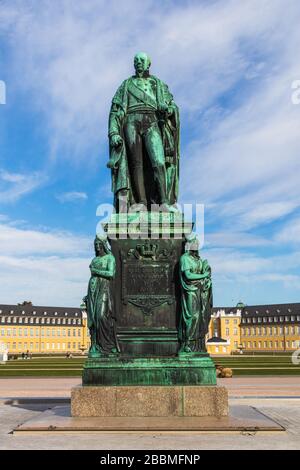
170	129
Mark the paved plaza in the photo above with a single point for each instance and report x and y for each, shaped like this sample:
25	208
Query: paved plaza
237	386
284	411
276	397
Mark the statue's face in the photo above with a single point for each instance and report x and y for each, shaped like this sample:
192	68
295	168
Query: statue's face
99	248
195	253
141	62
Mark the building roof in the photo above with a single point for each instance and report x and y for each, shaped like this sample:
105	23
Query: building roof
271	310
216	339
227	310
262	310
28	309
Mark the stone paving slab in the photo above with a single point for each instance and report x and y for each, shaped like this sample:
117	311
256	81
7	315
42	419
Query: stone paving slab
286	412
37	387
58	419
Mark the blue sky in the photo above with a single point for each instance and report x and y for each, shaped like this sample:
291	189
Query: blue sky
230	66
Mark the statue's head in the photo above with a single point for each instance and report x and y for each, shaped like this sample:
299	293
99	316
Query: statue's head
101	245
192	242
142	63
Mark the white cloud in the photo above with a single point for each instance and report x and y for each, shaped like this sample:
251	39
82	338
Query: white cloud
13	186
246	170
251	211
74	56
202	50
234	238
290	233
19	241
47	267
44	280
243	158
72	196
253	278
267	212
53	267
238	262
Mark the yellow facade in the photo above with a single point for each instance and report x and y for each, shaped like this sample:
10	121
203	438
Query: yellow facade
261	328
38	332
271	338
44	339
216	348
224	334
51	330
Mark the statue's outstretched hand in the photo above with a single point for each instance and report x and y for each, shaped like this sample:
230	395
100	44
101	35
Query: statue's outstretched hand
116	140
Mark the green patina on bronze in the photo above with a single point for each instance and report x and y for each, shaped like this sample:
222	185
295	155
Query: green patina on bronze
144	140
196	299
191	369
99	301
149	299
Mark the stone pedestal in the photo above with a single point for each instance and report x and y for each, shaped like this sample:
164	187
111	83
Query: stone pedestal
147	401
147	248
148	377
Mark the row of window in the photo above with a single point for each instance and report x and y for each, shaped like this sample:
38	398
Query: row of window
37	332
227	332
235	332
218	349
271	319
271	344
271	331
37	320
227	321
43	346
34	313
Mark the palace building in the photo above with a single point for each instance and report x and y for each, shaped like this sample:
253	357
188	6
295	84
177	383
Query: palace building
255	328
271	328
61	330
43	330
224	333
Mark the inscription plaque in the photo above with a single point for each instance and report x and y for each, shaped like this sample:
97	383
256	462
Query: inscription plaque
147	284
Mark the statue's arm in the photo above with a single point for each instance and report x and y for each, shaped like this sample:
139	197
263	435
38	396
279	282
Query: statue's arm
111	266
101	273
115	117
168	99
190	276
117	111
108	273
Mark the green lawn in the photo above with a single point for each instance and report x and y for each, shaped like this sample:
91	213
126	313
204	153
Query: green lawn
43	367
62	367
259	365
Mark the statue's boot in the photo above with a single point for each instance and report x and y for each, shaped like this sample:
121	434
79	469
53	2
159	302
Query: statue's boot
122	200
139	187
160	177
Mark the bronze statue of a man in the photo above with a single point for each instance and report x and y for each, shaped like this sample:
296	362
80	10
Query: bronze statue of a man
144	139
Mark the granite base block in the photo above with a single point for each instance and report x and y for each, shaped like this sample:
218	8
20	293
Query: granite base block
138	401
